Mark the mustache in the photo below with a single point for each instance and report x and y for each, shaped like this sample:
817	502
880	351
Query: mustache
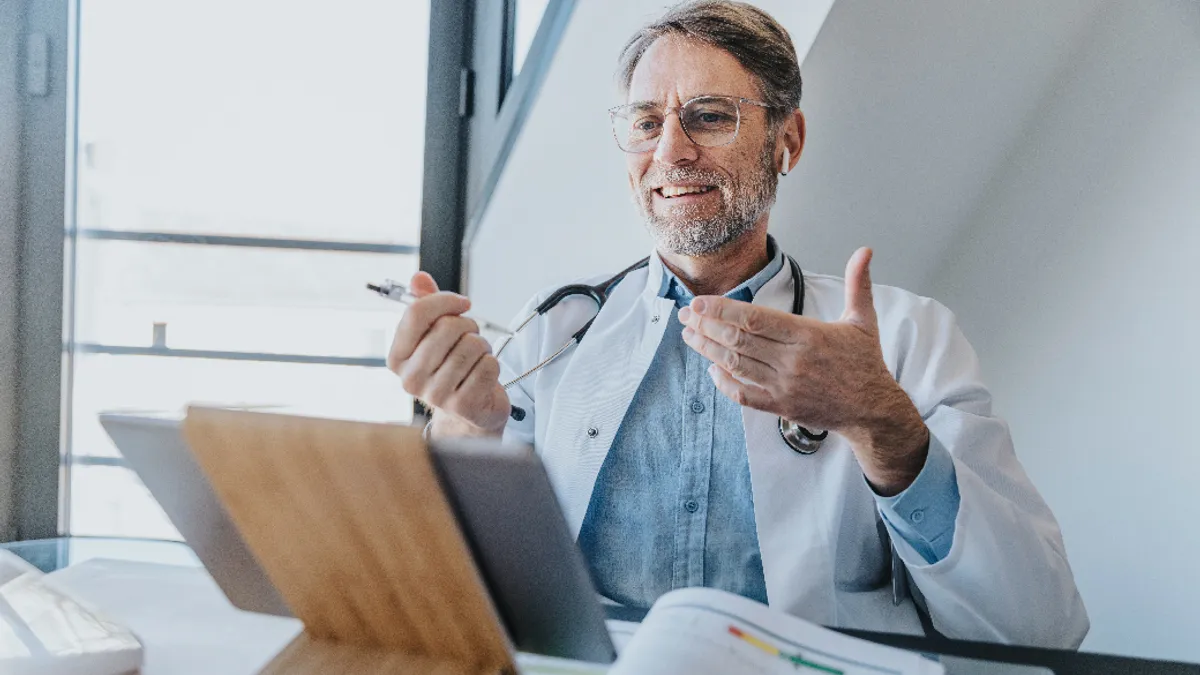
681	174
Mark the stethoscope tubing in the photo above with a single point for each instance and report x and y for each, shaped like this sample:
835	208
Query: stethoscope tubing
798	438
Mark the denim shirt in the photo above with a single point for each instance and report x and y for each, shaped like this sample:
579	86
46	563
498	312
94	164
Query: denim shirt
672	505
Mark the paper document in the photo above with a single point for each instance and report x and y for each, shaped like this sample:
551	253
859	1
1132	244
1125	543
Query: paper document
700	631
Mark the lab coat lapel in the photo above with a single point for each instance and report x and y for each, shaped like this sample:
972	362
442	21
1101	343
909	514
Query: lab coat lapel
790	509
599	384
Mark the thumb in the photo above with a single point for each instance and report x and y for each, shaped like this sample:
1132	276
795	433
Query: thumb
422	284
860	303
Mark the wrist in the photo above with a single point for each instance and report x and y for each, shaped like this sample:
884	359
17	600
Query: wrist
448	425
891	443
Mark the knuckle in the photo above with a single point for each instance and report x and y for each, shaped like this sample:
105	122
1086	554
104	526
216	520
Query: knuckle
477	344
489	368
740	339
752	322
731	361
412	383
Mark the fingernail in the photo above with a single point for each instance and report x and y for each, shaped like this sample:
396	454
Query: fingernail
684	315
698	305
688	333
712	370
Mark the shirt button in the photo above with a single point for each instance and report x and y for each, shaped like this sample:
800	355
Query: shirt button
593	432
697	407
654	319
917	516
691	505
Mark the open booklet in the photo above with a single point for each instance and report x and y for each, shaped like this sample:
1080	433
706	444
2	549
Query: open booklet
703	631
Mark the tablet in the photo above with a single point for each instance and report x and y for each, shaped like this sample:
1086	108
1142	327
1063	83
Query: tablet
535	573
501	498
156	451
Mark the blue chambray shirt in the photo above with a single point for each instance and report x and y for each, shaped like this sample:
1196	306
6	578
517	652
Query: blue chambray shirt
672	506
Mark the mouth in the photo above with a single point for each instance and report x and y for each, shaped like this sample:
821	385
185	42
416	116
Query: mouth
683	192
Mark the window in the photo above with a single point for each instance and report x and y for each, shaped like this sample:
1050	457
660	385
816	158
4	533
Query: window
243	168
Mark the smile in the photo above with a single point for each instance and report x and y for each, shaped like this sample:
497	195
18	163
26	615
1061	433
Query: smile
673	191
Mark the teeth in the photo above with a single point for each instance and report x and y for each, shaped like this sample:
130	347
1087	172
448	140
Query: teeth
670	191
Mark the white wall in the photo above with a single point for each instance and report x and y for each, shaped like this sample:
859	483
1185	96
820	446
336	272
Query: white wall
1077	283
10	31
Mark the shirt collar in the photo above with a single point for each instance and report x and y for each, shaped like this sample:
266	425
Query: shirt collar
674	289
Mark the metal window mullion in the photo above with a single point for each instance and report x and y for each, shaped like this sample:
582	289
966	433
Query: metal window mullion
242	242
221	355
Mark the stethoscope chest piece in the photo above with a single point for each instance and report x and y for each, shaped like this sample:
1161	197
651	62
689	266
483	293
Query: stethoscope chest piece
800	439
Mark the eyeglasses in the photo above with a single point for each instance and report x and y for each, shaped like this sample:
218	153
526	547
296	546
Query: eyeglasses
709	121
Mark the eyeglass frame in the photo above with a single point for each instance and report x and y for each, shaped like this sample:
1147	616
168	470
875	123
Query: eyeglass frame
613	111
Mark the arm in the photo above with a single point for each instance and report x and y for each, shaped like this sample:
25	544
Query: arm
1005	576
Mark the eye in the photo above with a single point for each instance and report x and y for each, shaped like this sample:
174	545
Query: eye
645	124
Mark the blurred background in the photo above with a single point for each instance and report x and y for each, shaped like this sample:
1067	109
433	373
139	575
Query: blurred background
193	195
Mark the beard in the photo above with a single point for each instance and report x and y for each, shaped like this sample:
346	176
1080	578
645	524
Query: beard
683	230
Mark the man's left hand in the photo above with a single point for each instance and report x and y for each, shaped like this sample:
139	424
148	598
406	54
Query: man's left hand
820	375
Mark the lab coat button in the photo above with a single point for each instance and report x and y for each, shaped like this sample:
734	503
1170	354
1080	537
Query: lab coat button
691	505
593	432
654	319
917	516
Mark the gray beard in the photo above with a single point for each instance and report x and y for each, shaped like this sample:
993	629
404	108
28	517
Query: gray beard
683	232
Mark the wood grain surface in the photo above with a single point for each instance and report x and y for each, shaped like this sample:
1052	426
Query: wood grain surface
350	523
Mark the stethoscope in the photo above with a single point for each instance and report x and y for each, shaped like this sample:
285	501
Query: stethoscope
797	437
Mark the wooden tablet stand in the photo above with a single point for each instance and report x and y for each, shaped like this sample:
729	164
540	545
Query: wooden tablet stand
350	523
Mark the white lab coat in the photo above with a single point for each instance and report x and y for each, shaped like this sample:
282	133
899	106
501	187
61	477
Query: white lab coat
825	554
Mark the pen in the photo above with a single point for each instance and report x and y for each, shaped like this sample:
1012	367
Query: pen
398	292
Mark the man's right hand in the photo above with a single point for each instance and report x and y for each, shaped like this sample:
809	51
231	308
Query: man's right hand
443	360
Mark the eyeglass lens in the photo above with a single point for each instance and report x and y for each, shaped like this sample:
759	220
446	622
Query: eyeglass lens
707	121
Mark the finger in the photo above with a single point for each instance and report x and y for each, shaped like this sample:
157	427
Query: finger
733	337
458	364
860	302
422	284
741	393
433	350
418	319
764	322
476	390
739	364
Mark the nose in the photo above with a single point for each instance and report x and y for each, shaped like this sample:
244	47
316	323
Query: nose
674	146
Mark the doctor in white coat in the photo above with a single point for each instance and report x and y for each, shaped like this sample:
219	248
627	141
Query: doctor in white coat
917	484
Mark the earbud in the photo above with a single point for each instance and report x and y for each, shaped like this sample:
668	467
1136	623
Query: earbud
787	159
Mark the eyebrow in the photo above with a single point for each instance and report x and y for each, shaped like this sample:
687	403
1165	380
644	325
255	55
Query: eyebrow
644	105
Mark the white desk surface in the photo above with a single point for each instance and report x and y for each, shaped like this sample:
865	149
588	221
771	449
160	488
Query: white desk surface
185	623
188	627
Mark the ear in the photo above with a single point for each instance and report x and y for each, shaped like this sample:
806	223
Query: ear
794	132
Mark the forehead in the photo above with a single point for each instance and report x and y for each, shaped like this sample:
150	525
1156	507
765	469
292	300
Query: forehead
675	69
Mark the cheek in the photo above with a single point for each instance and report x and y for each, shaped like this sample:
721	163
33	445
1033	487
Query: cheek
636	165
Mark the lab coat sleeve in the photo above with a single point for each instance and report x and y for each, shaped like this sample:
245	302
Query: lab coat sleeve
1006	577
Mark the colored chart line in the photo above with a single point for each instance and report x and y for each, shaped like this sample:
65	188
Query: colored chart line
794	659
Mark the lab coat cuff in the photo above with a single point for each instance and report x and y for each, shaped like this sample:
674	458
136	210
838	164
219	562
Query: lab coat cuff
924	514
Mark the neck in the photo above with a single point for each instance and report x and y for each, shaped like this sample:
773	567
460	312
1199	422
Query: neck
723	270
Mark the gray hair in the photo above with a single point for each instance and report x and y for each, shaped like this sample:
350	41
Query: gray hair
749	34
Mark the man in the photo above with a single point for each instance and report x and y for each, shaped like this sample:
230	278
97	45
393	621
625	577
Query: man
662	429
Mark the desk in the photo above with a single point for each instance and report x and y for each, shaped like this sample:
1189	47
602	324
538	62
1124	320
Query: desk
52	554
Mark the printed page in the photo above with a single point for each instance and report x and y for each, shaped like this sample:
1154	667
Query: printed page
699	630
